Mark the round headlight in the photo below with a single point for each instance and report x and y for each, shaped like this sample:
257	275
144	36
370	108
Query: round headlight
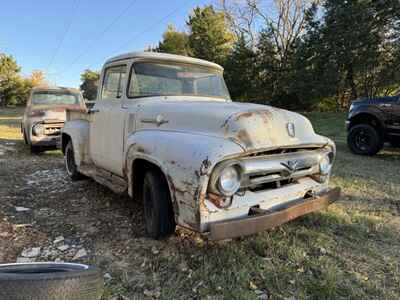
229	181
325	165
38	129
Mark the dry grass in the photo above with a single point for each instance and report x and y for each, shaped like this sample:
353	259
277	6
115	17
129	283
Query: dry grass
352	250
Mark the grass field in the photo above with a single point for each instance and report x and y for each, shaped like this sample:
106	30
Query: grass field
350	251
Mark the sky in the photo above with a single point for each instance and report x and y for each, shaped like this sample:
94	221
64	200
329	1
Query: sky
65	37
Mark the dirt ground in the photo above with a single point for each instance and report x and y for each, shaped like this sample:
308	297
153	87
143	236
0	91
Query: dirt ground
352	250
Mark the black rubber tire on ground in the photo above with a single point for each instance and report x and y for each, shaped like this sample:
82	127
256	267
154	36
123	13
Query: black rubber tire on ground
25	138
50	281
70	165
364	139
158	210
35	149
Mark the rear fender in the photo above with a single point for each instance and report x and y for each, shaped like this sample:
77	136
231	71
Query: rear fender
78	132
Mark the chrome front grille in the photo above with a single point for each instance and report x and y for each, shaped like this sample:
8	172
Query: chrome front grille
53	129
277	169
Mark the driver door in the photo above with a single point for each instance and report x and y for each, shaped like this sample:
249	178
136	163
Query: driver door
107	127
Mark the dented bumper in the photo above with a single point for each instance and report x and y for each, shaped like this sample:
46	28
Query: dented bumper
259	220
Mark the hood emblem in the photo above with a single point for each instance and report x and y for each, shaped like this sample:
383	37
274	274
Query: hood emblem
292	166
291	129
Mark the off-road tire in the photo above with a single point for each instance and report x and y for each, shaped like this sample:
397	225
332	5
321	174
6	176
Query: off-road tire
70	165
50	281
158	211
364	139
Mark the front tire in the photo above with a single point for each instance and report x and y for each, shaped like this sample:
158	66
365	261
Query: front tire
364	139
70	164
158	211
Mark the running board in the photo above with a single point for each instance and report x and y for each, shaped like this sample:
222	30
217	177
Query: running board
115	183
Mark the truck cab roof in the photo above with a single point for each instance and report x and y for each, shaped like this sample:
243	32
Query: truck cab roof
164	57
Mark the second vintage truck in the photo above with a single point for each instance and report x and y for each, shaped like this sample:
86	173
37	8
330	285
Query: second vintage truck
163	128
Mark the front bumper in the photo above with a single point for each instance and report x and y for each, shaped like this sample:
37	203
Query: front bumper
265	219
51	136
46	141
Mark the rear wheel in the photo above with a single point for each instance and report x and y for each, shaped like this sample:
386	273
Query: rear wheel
35	149
70	164
158	211
364	139
25	138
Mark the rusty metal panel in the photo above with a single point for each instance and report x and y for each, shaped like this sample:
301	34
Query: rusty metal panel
257	223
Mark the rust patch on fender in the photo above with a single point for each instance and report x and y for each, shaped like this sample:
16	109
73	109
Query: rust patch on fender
217	200
247	114
205	165
143	150
244	137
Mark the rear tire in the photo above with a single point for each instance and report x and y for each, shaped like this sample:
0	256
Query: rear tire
158	211
70	164
25	138
50	281
36	149
364	139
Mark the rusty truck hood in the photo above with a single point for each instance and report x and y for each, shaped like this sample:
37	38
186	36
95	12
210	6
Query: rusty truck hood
254	127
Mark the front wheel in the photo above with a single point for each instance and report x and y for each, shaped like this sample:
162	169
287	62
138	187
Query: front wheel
364	139
158	211
70	164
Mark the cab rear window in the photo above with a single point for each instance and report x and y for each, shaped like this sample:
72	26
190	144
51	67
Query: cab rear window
54	98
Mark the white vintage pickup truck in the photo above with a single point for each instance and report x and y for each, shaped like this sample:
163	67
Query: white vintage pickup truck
163	129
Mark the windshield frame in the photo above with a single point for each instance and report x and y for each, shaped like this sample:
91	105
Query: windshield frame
170	62
56	92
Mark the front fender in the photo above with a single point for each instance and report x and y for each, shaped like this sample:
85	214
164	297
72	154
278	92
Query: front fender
78	131
187	161
374	111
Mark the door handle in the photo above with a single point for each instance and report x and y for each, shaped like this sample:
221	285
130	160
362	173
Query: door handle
159	120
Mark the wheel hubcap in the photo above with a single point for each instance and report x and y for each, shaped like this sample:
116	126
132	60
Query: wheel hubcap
363	140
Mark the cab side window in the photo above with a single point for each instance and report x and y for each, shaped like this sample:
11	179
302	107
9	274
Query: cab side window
112	83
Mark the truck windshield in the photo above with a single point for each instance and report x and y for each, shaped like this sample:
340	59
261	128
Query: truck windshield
163	79
54	98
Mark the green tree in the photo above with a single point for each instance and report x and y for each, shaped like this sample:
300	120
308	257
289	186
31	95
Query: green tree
174	42
240	72
90	84
210	37
13	88
350	52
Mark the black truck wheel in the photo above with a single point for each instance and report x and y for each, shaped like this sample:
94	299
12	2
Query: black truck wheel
158	211
50	281
364	139
70	165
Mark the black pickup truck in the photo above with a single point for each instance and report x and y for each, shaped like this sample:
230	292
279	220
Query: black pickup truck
372	122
